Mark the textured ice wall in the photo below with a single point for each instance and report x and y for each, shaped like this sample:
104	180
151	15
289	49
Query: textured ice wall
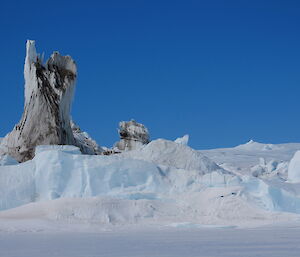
62	171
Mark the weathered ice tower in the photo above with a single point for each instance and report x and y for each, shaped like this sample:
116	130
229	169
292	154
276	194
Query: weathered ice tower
49	90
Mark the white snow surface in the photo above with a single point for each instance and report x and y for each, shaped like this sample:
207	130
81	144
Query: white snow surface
294	168
206	241
164	183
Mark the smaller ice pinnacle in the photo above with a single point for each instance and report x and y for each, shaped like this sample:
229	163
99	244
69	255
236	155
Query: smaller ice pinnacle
132	135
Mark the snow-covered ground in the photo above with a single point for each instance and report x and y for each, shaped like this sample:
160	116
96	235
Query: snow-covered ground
163	191
205	242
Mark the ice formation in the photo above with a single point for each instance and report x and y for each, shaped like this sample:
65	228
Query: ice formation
7	160
61	171
182	140
294	168
49	90
133	135
84	141
162	182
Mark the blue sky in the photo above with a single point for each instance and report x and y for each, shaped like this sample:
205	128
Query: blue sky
223	72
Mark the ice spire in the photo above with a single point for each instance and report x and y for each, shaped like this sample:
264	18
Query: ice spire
30	59
49	92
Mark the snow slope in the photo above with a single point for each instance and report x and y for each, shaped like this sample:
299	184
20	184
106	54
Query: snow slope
162	183
174	155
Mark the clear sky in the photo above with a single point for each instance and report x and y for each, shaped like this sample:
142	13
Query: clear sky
223	72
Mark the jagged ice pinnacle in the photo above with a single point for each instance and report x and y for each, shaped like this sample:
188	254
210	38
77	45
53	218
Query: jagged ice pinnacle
49	90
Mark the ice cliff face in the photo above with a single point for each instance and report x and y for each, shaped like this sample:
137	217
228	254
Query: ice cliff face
133	135
49	90
60	171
